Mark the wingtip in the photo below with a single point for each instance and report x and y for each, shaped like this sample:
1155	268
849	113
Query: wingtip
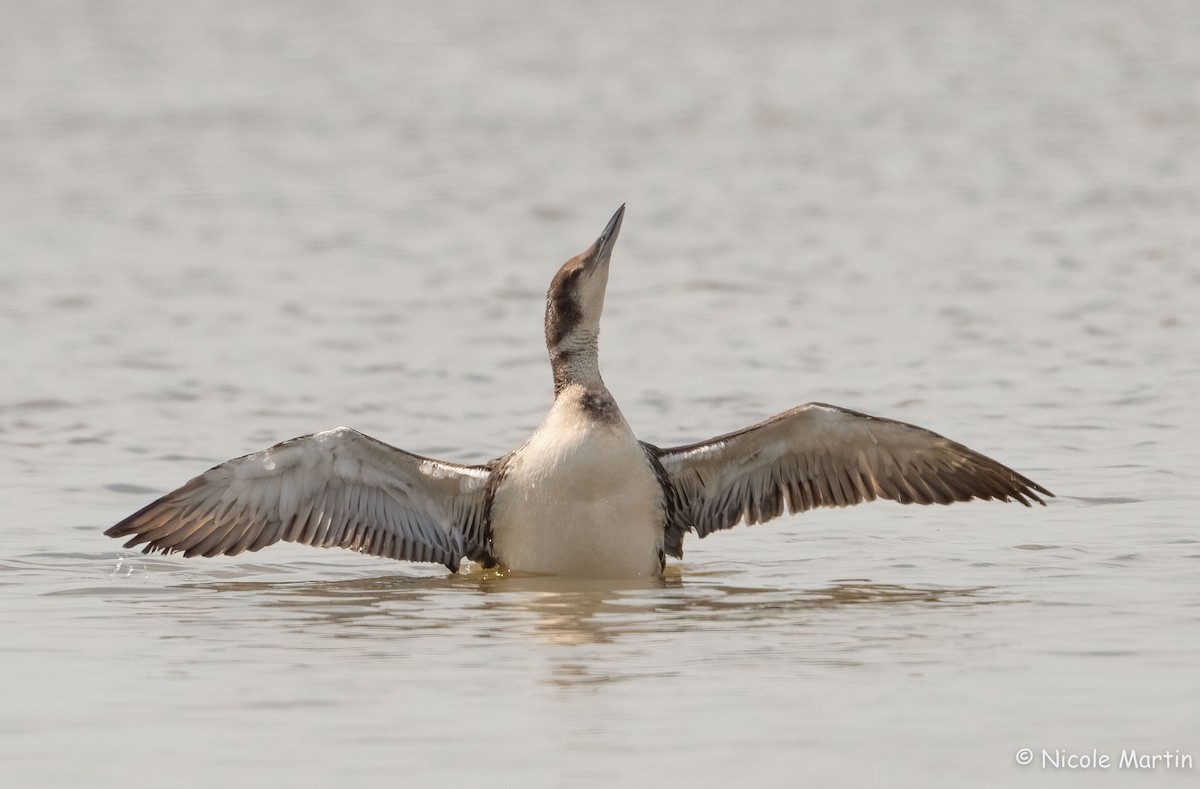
1027	487
126	526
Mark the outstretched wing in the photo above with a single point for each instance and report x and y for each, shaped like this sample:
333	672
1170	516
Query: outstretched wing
819	455
334	488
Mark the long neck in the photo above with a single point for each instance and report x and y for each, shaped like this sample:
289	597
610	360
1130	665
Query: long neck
575	360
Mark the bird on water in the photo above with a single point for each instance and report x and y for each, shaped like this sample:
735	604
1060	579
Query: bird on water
582	496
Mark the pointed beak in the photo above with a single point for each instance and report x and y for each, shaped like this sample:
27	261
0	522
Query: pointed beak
602	249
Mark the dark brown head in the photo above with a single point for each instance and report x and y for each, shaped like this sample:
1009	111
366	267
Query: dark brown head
576	296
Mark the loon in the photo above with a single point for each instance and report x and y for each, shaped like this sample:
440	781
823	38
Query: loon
582	496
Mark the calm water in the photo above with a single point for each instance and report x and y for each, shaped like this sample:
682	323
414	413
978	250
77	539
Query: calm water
223	225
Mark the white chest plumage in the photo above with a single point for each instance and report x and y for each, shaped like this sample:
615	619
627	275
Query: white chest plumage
580	498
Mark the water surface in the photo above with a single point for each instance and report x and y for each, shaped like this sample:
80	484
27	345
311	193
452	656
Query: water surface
229	224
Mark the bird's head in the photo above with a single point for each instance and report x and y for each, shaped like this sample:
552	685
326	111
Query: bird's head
576	298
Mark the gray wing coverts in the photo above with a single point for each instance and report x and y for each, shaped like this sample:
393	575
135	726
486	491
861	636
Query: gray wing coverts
335	488
818	455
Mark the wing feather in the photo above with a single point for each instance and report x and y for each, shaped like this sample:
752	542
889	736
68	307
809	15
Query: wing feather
819	455
334	488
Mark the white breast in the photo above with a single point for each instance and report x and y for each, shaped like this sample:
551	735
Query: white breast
580	498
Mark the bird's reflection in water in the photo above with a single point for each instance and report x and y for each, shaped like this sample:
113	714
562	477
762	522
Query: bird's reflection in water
488	604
